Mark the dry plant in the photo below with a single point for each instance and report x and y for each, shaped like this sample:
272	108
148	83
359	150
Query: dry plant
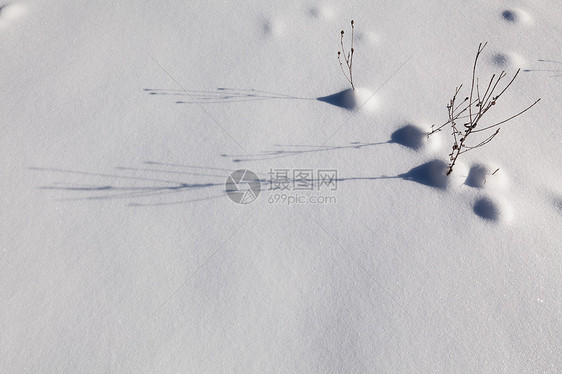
348	57
472	109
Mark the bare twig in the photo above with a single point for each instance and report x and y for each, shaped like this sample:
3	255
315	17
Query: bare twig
477	106
348	58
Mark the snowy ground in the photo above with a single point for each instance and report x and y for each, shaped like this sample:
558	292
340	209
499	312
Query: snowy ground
120	250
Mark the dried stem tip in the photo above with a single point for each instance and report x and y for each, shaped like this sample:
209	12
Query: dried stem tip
348	57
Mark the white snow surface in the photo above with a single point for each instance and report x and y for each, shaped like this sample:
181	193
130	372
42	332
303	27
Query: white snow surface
120	250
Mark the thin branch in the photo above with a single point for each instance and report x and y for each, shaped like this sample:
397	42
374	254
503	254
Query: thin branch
510	82
348	57
480	48
483	142
351	58
510	118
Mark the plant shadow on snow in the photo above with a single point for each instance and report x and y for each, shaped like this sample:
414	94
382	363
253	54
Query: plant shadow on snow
551	67
209	182
130	183
345	99
557	204
123	185
408	136
296	150
220	95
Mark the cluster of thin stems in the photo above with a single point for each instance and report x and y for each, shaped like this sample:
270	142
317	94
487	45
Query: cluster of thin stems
472	109
348	57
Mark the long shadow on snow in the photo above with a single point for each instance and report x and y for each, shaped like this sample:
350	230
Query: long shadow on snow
408	136
123	186
223	95
128	187
549	68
